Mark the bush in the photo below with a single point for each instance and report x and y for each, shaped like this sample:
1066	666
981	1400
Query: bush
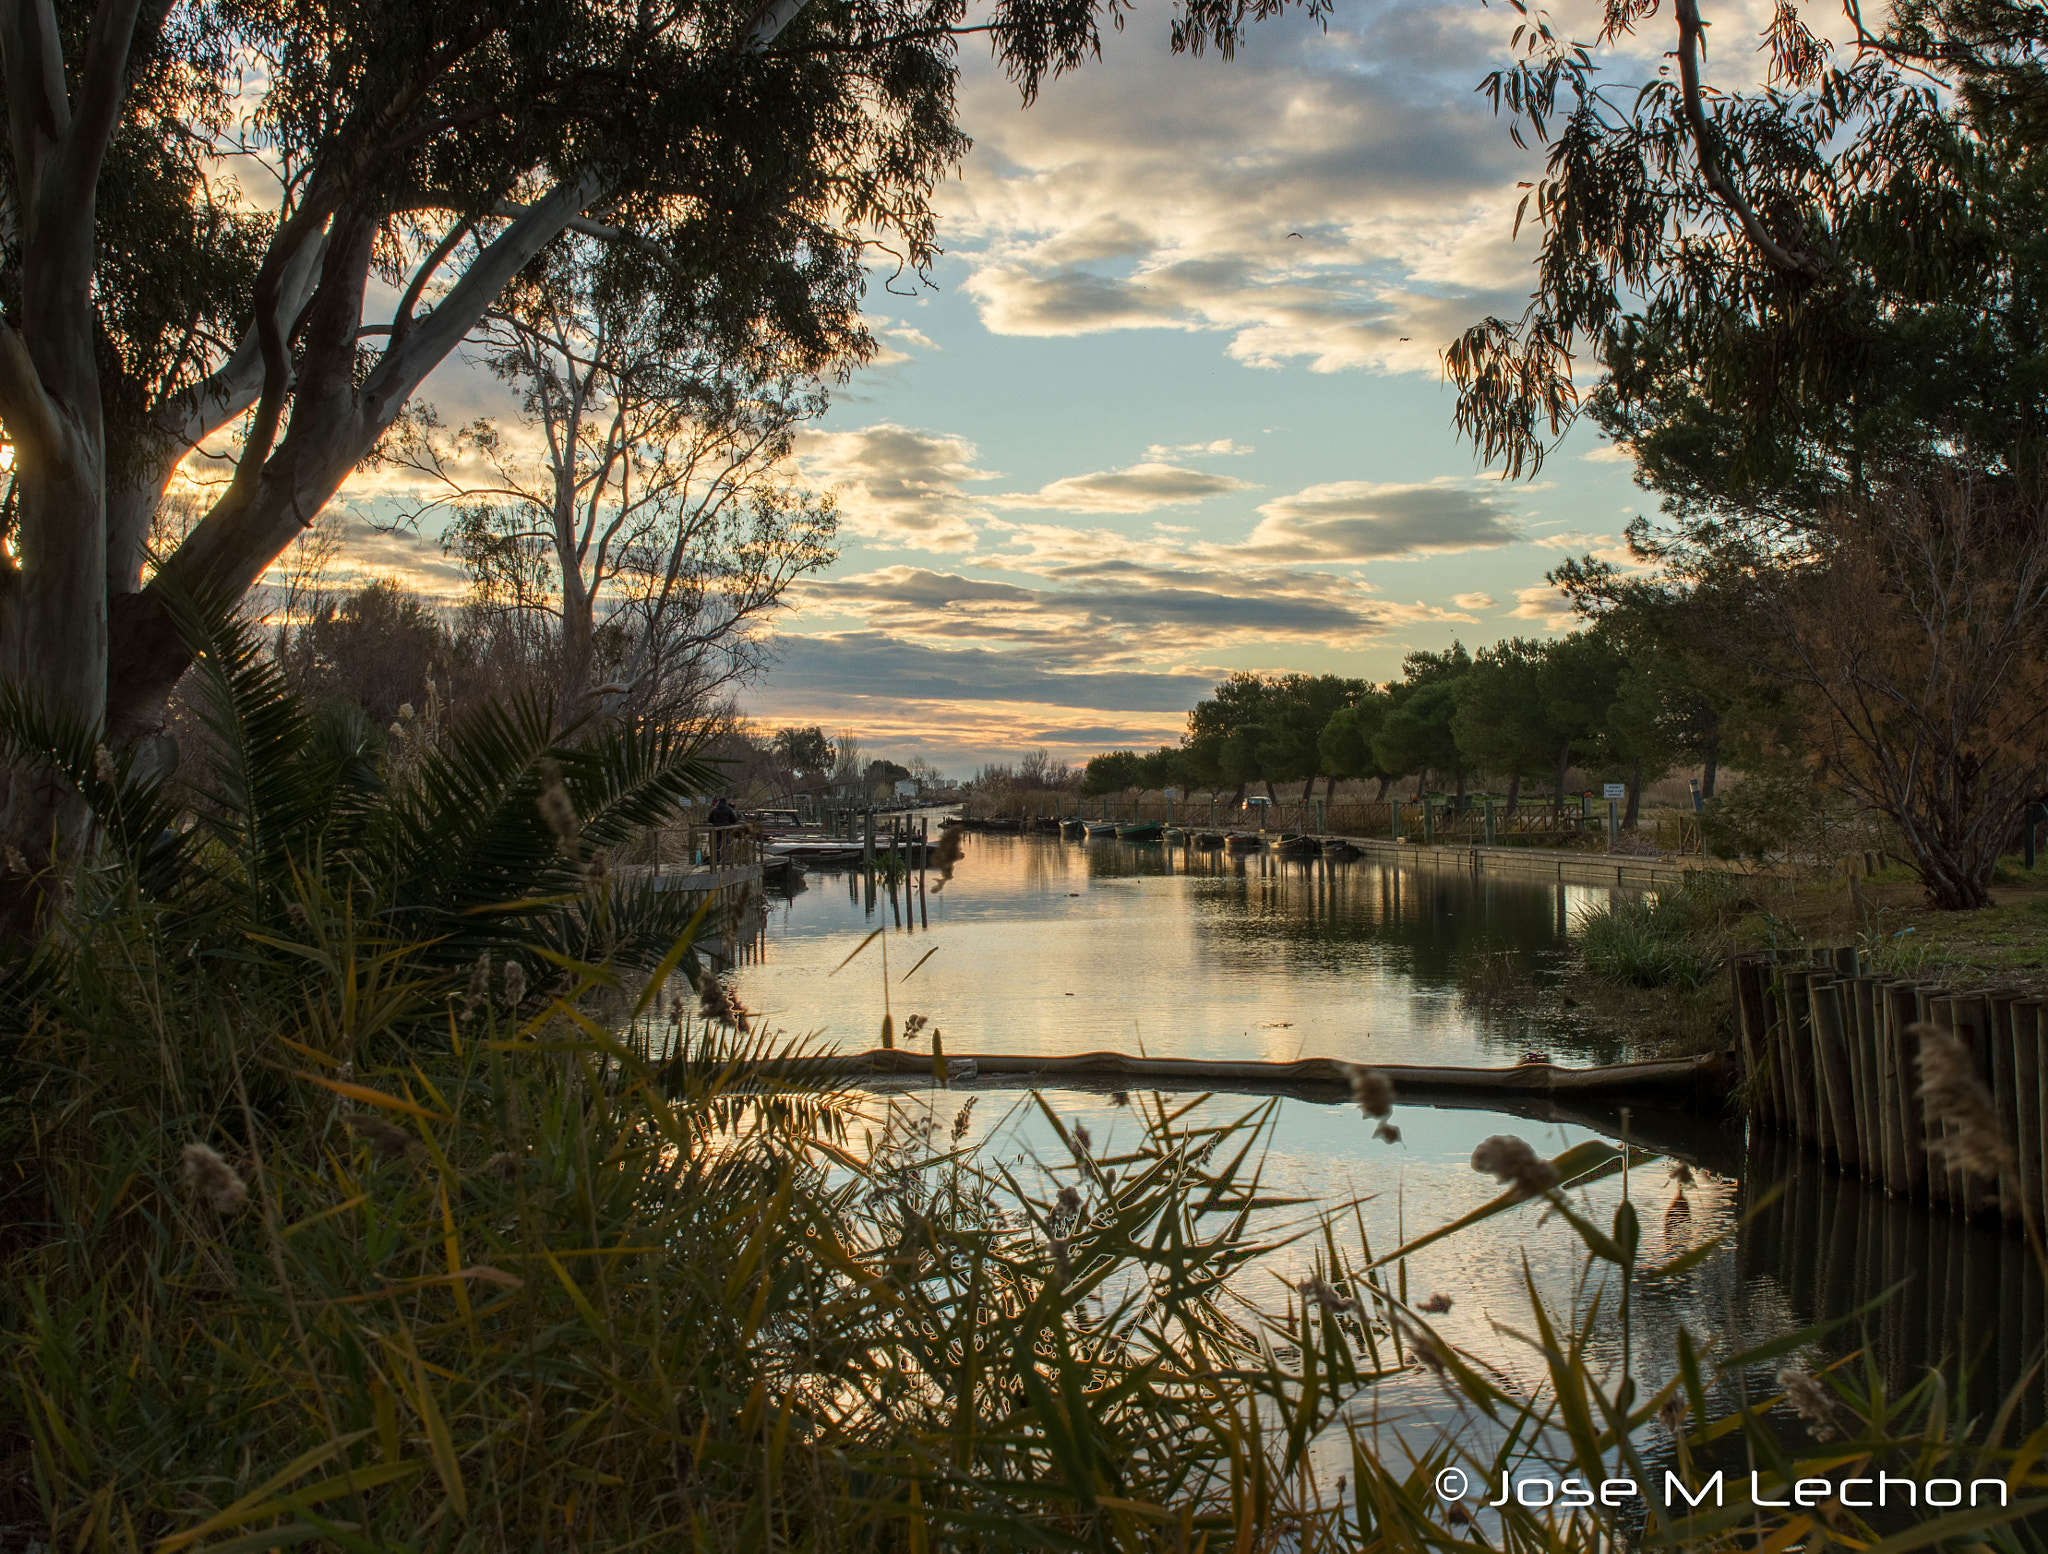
1667	940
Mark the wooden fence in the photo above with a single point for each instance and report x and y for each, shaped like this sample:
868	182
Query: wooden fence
1832	1062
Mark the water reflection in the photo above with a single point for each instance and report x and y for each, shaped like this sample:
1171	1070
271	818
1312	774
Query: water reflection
1969	1299
1044	945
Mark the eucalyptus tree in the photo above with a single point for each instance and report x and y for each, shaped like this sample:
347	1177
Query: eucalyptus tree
1794	293
642	505
258	225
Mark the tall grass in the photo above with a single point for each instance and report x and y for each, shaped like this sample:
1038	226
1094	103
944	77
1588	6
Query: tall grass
531	1284
312	1236
1668	940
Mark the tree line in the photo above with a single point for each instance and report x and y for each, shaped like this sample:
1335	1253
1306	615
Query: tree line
1523	712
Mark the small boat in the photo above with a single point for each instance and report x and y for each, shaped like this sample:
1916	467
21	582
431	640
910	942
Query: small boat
1046	825
1241	842
1291	844
1138	831
1209	841
1336	847
1073	830
1175	834
1098	829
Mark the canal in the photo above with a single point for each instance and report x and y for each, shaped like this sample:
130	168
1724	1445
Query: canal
1041	945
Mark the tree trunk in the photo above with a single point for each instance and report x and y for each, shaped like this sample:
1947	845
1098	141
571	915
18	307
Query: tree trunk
1381	796
1270	794
1711	763
1458	804
1514	793
1308	789
1635	796
1564	762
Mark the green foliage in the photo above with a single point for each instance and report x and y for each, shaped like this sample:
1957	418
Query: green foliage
1116	772
1345	745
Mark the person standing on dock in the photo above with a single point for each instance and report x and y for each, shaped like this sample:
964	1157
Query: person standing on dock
722	820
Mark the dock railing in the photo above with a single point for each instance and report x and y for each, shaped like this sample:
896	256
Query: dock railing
1485	820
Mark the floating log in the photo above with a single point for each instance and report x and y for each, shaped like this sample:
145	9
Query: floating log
1662	1078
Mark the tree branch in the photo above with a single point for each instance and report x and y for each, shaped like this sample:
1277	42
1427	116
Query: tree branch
1706	146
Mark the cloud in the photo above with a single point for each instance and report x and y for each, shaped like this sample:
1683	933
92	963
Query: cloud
1330	200
1358	520
1094	735
1541	602
910	336
1609	453
1611	548
1221	447
1139	489
915	587
897	484
1475	601
876	665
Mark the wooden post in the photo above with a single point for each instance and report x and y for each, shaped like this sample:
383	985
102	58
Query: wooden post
1885	1057
1831	1063
1802	1071
1861	1020
2028	1074
1901	1010
1999	1040
1748	1030
1973	1029
1943	1177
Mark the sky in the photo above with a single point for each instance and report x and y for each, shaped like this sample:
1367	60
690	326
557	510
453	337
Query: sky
1171	404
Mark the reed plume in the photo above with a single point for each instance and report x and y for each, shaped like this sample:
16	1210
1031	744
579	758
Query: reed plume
952	841
1511	1162
1958	1100
213	1180
477	995
515	984
556	807
717	1004
1811	1401
1371	1089
386	1140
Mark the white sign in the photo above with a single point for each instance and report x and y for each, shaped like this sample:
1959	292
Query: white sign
1614	790
1173	793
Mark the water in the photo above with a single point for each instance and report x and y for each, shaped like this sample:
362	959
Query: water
1041	945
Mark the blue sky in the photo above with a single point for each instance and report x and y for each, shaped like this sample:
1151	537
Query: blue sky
1171	404
1135	434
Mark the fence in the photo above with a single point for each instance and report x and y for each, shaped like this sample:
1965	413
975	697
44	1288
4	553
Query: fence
1832	1063
1485	821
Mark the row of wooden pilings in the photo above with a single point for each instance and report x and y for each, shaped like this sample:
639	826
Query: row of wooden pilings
1833	1062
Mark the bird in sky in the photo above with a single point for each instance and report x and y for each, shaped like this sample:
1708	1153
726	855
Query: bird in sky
1294	234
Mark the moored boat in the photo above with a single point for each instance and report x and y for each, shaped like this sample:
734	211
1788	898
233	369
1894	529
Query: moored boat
1101	828
1242	842
1073	830
1138	831
1292	844
1209	841
1337	847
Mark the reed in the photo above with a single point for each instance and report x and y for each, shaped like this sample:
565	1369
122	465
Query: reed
315	1234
